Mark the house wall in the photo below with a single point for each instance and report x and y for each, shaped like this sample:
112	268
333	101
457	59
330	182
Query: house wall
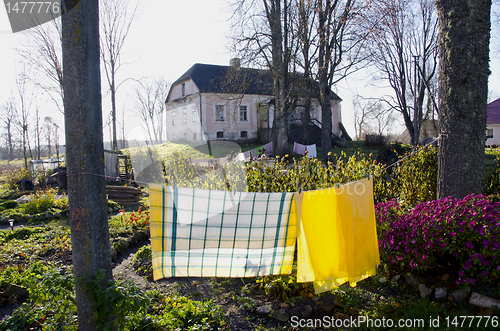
496	134
190	88
232	126
187	127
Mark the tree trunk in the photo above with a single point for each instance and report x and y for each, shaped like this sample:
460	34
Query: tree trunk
464	34
280	73
85	153
324	88
114	140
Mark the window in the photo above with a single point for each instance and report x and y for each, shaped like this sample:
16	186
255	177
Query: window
184	116
244	134
173	118
194	114
489	133
220	134
183	89
243	114
194	136
313	112
219	113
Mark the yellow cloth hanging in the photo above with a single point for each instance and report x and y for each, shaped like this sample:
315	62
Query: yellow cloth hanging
337	236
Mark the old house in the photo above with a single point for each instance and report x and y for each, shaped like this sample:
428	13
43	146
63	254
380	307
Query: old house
210	102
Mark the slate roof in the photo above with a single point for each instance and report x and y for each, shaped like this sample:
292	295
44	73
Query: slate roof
211	78
493	112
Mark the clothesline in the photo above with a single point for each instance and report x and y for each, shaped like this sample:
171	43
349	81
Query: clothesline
239	159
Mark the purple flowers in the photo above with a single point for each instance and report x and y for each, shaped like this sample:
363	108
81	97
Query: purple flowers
463	234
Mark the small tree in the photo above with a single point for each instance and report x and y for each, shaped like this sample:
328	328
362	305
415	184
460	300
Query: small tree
150	107
116	19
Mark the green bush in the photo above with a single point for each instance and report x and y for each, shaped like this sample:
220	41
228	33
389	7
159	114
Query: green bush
51	302
493	182
181	313
142	261
11	204
14	176
39	202
414	179
411	181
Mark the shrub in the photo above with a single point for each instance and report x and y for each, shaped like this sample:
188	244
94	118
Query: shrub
142	261
391	153
14	176
311	174
11	204
414	179
39	202
52	299
493	182
375	140
443	235
181	313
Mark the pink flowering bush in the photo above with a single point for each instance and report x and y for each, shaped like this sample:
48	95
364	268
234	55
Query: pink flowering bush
457	237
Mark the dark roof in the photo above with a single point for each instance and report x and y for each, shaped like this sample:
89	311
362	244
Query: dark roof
211	78
494	112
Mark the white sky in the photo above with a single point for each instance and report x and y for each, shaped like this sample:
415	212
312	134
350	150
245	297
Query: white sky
167	39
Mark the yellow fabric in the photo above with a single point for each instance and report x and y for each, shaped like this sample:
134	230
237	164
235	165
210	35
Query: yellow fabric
337	236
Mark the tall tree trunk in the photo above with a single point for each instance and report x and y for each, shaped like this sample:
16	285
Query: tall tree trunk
324	87
85	155
280	72
9	139
464	34
114	140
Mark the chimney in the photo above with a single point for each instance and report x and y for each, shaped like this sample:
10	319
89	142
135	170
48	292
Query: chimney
235	62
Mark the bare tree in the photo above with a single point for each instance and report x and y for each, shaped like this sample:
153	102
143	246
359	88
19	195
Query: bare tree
262	35
116	18
370	116
9	118
41	51
363	109
25	101
37	132
405	53
48	134
150	98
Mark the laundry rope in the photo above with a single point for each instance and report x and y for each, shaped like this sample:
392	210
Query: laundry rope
118	179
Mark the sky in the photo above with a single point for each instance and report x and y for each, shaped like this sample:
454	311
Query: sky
166	40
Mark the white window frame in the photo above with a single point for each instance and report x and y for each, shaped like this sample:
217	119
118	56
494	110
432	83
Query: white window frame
184	116
173	118
217	134
216	117
194	113
490	136
247	114
241	132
